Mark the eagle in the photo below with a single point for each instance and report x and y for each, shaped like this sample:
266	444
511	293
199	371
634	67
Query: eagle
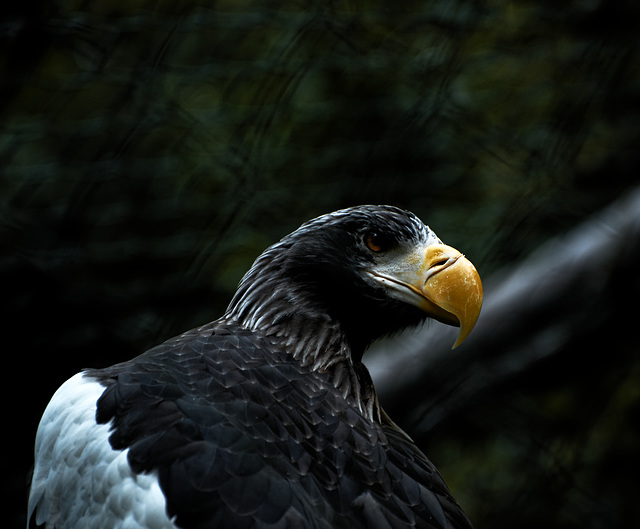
266	417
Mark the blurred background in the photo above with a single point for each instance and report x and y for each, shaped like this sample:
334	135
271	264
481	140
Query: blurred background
150	150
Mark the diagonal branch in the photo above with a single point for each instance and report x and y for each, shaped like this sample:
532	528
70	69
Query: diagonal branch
576	285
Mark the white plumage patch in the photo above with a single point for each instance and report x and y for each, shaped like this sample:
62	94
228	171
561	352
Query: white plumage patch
79	481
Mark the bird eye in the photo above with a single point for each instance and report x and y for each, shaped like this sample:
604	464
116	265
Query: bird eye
376	242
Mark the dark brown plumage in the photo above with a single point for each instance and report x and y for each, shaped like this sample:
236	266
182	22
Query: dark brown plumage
267	418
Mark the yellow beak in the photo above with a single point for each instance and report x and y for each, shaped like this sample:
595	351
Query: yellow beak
451	288
442	282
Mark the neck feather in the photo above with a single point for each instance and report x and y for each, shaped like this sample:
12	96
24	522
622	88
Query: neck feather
268	304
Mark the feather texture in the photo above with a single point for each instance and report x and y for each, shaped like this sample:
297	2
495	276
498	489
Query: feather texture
241	435
79	479
265	418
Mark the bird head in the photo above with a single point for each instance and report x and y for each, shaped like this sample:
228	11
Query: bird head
373	269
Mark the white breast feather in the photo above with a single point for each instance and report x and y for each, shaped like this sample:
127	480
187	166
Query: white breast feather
79	481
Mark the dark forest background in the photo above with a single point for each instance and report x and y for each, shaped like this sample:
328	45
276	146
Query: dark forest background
150	150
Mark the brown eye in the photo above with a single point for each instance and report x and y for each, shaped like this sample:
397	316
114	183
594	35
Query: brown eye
375	242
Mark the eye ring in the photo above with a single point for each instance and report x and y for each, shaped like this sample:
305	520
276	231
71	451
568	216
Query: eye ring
375	242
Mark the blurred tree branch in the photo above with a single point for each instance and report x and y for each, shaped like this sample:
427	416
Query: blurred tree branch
575	289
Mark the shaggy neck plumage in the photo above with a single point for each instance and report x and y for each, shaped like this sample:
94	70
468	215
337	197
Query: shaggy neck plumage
269	303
